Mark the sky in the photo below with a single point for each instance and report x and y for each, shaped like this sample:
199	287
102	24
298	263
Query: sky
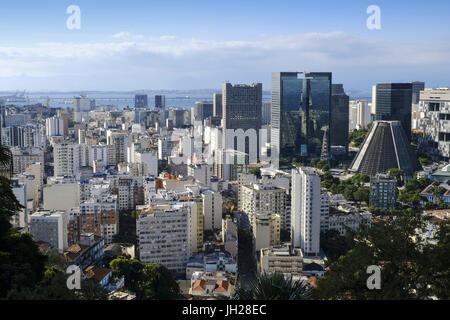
179	44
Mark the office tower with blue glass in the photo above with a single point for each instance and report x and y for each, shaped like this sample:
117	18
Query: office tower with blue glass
301	106
140	101
160	102
339	118
394	103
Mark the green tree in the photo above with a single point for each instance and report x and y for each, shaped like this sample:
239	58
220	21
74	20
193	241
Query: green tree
362	195
255	171
274	287
398	174
409	267
148	281
21	263
335	245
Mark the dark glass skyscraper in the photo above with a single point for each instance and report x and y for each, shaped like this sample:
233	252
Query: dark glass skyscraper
242	106
217	101
160	102
417	86
301	105
394	102
339	117
140	101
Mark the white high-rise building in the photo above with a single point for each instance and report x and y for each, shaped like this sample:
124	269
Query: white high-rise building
258	198
81	108
306	210
163	236
212	209
359	114
54	126
67	159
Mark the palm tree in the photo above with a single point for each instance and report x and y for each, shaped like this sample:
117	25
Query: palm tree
274	287
437	192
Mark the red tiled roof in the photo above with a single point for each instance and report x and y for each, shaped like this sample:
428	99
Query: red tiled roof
199	285
222	286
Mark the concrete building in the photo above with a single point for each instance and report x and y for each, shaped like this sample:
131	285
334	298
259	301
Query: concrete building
200	172
100	216
24	157
266	230
51	227
212	209
359	114
20	218
348	217
230	236
383	191
434	107
163	236
306	210
259	198
87	251
81	107
67	159
61	193
129	191
54	126
282	259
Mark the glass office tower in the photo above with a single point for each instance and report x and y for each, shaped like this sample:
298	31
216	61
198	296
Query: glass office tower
393	102
301	104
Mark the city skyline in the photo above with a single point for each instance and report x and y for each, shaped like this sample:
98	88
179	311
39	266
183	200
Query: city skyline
198	45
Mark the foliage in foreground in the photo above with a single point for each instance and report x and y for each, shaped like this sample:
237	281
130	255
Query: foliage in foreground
274	287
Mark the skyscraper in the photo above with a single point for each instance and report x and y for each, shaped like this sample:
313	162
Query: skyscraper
160	102
417	86
140	101
203	110
339	117
81	107
265	114
359	114
217	102
306	210
242	106
301	105
241	125
394	102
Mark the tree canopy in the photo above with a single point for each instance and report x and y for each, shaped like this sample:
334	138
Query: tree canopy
412	267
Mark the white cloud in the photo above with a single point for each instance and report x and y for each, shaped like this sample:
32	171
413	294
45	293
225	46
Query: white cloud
135	59
125	35
167	37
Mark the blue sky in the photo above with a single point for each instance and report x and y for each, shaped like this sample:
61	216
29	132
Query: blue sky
126	45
